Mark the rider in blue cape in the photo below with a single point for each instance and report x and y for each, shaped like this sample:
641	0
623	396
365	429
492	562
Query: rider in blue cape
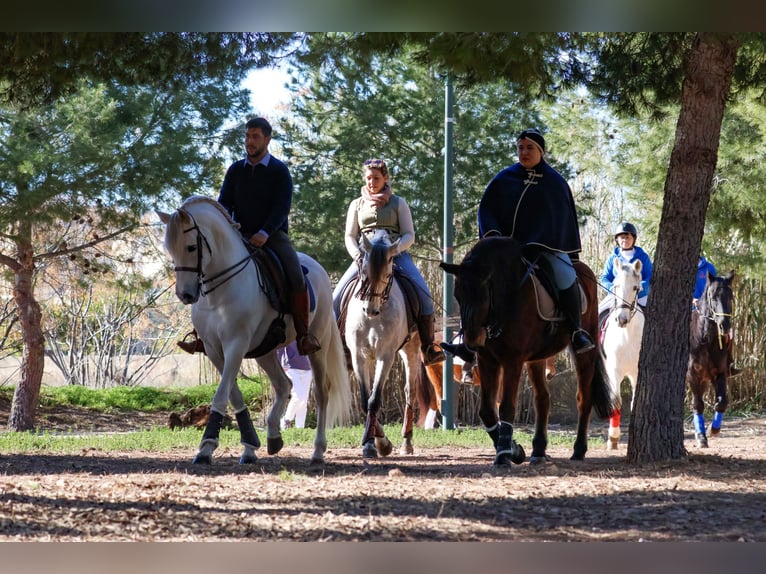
531	202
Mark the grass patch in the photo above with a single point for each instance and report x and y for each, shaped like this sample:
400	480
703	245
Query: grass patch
165	440
146	399
256	391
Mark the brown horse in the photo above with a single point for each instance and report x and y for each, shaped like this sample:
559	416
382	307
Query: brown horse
709	344
501	320
430	395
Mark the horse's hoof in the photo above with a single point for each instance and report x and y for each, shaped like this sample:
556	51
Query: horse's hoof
517	454
701	440
248	459
203	459
577	456
274	445
406	449
613	444
384	446
502	459
534	460
715	431
369	450
316	462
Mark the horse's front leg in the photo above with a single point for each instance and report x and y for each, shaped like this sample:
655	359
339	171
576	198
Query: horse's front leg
698	411
721	403
228	371
248	436
374	440
542	400
507	450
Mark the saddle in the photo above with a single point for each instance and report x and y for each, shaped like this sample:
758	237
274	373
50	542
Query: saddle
273	282
546	294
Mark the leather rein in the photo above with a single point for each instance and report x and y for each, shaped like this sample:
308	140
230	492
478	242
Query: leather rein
232	270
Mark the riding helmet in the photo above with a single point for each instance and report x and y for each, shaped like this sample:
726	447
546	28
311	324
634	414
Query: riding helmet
625	227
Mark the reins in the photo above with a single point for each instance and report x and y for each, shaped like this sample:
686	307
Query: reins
239	266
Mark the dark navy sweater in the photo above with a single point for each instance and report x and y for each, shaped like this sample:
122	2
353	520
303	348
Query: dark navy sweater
258	197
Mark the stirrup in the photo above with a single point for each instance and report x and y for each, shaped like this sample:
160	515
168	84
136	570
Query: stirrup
194	346
581	341
432	354
734	371
307	344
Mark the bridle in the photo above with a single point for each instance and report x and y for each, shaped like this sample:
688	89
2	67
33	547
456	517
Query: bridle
366	292
233	270
631	307
713	316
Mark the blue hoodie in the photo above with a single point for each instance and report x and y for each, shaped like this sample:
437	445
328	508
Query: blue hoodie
702	269
607	276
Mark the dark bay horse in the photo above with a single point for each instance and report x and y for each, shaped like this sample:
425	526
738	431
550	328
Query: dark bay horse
709	344
500	316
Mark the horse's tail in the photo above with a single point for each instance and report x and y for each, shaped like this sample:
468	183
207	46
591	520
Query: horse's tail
425	395
603	400
339	397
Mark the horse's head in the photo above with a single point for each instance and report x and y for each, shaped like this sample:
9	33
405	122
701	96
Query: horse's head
483	283
717	301
626	286
376	270
190	236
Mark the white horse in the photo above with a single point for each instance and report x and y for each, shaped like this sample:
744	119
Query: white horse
622	339
231	313
376	330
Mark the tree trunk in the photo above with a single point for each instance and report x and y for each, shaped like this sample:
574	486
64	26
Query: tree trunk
27	393
656	425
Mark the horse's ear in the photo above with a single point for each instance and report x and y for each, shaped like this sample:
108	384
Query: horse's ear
710	276
452	268
730	277
637	265
164	217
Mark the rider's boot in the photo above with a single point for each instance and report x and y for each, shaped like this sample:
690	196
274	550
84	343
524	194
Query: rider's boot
572	309
306	342
194	346
733	371
431	352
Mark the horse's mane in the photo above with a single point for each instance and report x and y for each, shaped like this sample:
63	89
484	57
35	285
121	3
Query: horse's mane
499	256
194	199
498	259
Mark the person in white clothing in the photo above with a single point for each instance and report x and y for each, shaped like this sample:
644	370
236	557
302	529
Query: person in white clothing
298	368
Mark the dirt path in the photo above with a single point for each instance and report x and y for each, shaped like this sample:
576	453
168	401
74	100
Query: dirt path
436	495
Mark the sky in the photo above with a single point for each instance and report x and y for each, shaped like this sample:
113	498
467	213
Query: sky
267	89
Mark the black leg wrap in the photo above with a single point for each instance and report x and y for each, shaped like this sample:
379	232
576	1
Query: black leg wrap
213	426
494	434
505	436
247	432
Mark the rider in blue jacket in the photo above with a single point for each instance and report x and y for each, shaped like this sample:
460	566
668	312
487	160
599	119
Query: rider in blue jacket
626	251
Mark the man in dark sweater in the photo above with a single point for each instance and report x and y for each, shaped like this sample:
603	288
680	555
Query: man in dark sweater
257	191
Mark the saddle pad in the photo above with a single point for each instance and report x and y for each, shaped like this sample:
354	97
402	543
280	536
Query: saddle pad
546	308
